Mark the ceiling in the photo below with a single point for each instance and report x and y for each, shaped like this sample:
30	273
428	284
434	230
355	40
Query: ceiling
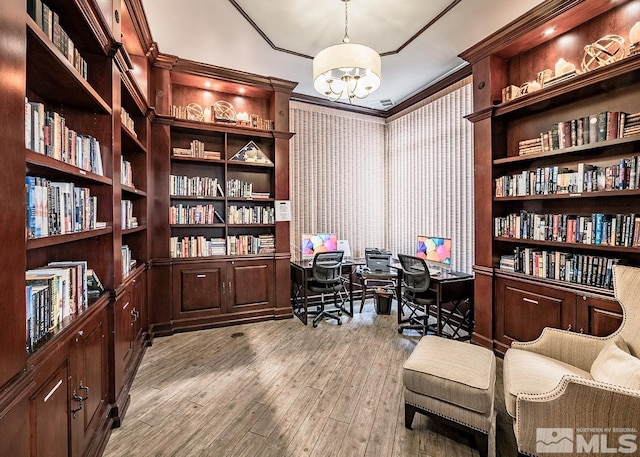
419	40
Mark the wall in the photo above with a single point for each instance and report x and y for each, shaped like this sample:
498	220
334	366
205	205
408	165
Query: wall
381	185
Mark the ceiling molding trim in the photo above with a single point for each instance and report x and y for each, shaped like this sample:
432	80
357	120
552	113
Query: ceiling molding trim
411	102
423	29
525	32
140	24
264	36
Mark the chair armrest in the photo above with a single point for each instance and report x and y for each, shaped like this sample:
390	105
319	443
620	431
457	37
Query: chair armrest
576	349
577	403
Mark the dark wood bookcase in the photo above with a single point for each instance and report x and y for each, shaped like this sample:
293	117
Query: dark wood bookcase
64	396
209	290
514	306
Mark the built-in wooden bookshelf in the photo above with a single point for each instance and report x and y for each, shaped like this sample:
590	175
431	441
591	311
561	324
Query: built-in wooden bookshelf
531	277
65	145
224	177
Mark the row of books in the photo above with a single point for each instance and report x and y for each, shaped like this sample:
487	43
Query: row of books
53	294
597	229
621	175
604	126
247	244
49	22
194	214
126	173
56	208
197	186
196	246
128	122
196	150
46	133
588	270
251	215
128	262
239	188
200	246
127	219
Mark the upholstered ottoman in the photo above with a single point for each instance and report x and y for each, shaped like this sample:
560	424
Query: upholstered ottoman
455	382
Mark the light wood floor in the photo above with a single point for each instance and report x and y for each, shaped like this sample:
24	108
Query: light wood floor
280	388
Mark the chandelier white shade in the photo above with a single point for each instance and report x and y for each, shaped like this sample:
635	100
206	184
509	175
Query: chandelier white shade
346	71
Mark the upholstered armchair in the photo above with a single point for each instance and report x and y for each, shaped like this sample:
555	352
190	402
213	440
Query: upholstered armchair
570	393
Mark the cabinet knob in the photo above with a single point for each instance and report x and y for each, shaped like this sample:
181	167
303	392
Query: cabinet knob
570	327
81	333
584	297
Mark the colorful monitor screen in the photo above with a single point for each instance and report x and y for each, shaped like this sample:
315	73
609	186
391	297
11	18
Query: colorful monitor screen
434	249
312	243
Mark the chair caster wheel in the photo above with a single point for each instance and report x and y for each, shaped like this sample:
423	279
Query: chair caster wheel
400	331
339	313
339	322
315	325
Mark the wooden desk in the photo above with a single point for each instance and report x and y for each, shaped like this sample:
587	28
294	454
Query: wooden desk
453	309
301	274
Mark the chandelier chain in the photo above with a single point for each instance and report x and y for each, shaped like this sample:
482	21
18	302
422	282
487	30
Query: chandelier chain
346	23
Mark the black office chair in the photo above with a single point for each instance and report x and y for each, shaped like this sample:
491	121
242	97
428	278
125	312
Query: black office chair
415	293
327	279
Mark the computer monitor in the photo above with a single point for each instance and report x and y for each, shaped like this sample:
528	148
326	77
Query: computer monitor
312	243
436	251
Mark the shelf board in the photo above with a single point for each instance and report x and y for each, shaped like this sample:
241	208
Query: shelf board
67	88
130	142
251	225
623	72
196	159
558	244
218	225
133	190
236	163
139	228
573	286
628	140
598	194
250	199
183	197
54	240
40	163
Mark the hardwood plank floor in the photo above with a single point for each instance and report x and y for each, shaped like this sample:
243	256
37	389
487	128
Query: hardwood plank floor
280	388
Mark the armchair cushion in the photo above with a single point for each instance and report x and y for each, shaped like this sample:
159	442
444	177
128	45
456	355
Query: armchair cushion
615	365
528	372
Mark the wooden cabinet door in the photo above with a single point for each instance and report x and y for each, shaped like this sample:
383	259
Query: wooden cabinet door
122	336
597	316
88	382
198	289
50	419
524	309
250	283
139	297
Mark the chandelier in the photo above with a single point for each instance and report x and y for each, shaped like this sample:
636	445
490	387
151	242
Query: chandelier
347	70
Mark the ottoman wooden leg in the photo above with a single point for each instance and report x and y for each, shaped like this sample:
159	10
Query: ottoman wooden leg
409	413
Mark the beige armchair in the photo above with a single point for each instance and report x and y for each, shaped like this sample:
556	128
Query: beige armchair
570	393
